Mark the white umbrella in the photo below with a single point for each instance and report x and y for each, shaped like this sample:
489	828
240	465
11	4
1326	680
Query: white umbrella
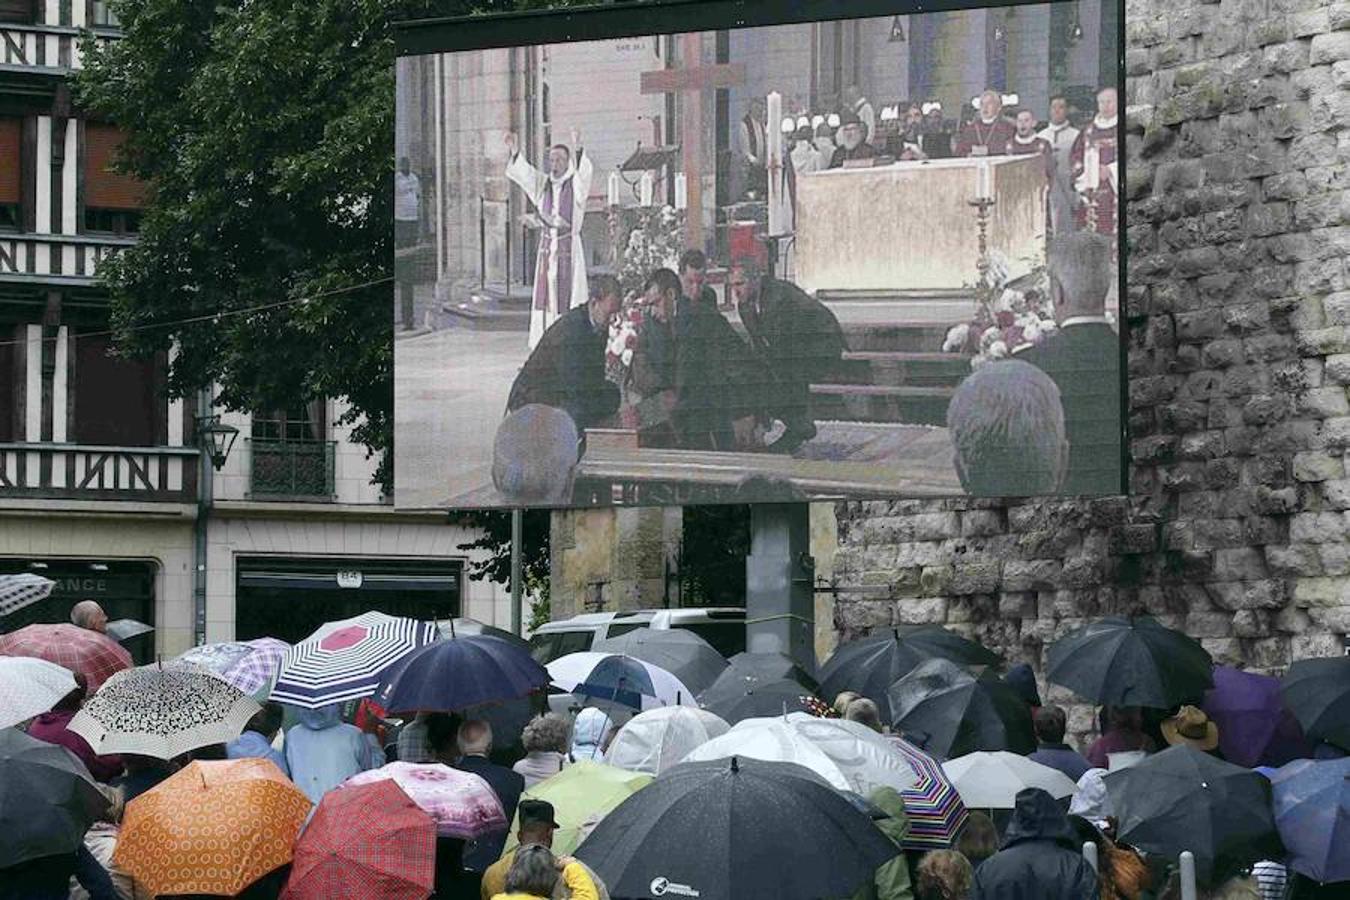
988	780
24	589
30	687
772	740
655	740
615	678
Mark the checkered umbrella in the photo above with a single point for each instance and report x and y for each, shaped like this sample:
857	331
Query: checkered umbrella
933	805
95	656
30	687
24	589
344	660
249	666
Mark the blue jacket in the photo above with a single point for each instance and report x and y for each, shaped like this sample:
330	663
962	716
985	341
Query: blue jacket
251	745
323	751
1062	757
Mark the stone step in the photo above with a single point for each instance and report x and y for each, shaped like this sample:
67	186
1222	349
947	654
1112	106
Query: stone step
906	404
900	368
490	315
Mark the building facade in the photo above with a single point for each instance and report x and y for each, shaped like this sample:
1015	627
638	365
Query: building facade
100	471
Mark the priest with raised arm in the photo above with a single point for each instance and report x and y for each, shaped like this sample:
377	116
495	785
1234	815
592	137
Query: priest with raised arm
559	198
1098	186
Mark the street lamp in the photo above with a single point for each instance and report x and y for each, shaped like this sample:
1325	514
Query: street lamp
217	439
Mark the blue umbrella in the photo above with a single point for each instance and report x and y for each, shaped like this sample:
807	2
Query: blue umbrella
1312	814
460	672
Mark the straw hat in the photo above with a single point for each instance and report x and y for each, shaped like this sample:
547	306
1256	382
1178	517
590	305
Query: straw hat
1191	726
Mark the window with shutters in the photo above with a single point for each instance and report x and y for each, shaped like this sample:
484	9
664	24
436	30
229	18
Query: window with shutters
20	11
10	179
112	200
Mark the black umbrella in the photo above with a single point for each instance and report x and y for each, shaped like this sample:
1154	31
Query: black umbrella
951	711
733	828
1317	692
458	673
462	626
1183	799
871	665
1120	661
47	799
750	699
677	650
770	666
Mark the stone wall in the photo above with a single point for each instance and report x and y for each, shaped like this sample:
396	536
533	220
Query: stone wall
1236	525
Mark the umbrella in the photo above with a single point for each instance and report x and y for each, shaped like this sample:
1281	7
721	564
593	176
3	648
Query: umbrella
461	804
1183	799
770	666
582	794
619	679
217	658
211	828
24	589
1317	692
460	672
871	665
123	630
1312	813
734	828
93	655
951	711
463	626
677	650
1254	727
367	840
992	780
30	687
1120	661
653	741
936	813
163	712
345	660
47	799
750	699
258	669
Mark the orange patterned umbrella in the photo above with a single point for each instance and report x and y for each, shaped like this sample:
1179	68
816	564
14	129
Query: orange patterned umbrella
211	828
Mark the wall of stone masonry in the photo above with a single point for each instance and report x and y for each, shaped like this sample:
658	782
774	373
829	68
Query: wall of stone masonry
1237	524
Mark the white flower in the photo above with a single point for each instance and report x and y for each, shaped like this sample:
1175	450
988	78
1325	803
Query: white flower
1049	327
1031	333
626	357
956	338
1003	303
987	339
998	350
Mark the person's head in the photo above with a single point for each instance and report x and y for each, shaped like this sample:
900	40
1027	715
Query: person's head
533	872
757	108
802	135
536	823
559	159
693	272
661	293
75	699
991	104
1079	266
978	838
913	115
1050	722
864	712
851	130
1059	109
1239	887
824	135
842	701
744	279
267	721
475	738
404	165
606	298
943	875
88	614
1106	103
934	114
443	734
1026	123
551	732
534	455
1124	718
1007	427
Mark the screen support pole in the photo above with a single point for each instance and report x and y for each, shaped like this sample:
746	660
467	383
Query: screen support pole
517	589
779	583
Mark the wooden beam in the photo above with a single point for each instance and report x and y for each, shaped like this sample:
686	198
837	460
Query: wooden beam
700	78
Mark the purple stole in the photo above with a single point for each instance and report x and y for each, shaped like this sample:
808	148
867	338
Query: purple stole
564	280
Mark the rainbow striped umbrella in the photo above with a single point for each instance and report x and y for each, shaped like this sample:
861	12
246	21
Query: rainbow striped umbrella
345	660
933	805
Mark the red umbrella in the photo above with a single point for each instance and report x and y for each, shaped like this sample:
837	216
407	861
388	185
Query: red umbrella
365	841
96	656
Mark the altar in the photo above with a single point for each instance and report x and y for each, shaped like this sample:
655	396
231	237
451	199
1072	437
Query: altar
908	228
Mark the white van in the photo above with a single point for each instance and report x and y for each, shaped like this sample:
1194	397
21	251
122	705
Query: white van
723	627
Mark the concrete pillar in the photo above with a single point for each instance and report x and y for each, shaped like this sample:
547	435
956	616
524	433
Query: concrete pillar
780	575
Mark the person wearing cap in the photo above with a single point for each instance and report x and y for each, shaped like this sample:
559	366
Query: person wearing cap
1192	727
537	824
853	141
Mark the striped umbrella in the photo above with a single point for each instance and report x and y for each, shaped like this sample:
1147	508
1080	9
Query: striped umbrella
933	805
93	655
24	589
613	678
345	660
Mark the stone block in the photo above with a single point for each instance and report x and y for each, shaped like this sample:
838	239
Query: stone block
921	611
1209	625
1030	575
975	577
1017	605
935	581
1235	595
1264	653
1293	561
1314	644
1318	465
1251	623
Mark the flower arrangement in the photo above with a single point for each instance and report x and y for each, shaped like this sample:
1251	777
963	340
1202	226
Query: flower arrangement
1006	319
623	340
654	242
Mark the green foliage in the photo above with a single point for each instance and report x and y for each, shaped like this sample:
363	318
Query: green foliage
715	542
495	526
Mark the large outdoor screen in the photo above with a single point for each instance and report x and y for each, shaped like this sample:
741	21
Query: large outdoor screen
673	255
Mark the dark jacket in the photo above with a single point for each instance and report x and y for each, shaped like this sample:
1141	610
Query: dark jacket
48	878
843	154
795	332
508	786
1084	362
566	370
1061	757
1040	859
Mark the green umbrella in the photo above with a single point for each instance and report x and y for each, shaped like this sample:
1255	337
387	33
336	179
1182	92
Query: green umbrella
47	799
581	794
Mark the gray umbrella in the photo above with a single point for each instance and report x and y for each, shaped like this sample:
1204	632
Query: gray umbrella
47	799
680	652
463	626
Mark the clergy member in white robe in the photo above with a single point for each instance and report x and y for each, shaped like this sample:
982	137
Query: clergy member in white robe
559	199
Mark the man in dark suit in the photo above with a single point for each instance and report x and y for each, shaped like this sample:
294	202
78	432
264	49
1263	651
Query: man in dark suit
475	743
1083	359
797	338
694	278
853	142
566	369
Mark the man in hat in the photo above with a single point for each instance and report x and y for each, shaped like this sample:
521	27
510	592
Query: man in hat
853	141
537	825
989	133
1192	727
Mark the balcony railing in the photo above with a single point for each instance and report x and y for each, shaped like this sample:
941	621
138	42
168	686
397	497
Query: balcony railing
55	258
299	470
46	49
81	472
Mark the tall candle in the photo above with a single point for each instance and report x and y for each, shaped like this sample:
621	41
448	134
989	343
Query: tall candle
645	189
1092	166
614	182
772	131
775	163
681	190
984	187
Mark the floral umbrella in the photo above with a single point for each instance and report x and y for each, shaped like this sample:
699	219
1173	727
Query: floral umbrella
462	804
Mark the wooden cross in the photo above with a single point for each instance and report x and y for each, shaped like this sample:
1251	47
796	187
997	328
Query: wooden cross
692	81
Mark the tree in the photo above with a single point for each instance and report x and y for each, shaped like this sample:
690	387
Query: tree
495	526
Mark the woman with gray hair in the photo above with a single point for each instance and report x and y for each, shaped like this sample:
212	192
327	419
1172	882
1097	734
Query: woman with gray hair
546	739
535	873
